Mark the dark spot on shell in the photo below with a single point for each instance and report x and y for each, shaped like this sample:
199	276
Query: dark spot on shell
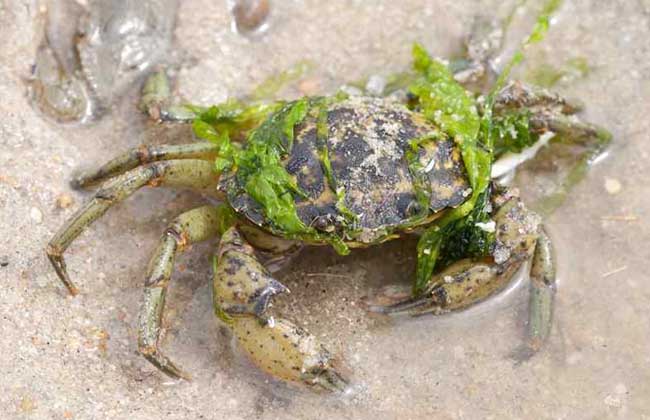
296	163
305	164
311	213
340	114
447	177
407	205
354	149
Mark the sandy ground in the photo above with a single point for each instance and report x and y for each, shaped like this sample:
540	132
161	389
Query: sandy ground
74	358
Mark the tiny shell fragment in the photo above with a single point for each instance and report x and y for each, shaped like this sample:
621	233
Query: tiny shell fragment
64	201
36	215
613	186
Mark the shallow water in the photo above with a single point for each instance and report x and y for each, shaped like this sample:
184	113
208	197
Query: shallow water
75	358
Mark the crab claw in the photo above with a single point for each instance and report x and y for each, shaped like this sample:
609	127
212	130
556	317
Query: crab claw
243	289
288	352
460	285
326	378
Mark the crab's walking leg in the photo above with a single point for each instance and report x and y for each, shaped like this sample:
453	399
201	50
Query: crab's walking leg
142	155
242	291
518	95
156	97
553	113
198	174
194	226
542	293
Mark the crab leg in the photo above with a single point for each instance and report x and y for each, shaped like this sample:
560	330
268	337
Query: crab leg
552	113
542	293
467	282
198	174
142	155
194	226
519	238
156	101
518	95
242	291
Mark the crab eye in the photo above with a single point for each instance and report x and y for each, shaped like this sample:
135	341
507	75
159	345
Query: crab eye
414	208
323	224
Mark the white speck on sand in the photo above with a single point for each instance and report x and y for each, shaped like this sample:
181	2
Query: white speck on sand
613	186
36	215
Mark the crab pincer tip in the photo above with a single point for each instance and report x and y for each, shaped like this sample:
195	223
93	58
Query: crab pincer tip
72	289
332	381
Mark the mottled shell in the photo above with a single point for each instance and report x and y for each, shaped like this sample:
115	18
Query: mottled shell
367	144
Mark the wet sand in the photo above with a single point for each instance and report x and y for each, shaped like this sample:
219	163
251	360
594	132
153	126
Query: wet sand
75	358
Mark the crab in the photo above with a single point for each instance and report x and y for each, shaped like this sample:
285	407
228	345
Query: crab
348	172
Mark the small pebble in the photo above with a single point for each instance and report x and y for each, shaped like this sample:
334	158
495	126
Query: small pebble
36	215
376	85
250	14
64	201
613	186
4	260
27	405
